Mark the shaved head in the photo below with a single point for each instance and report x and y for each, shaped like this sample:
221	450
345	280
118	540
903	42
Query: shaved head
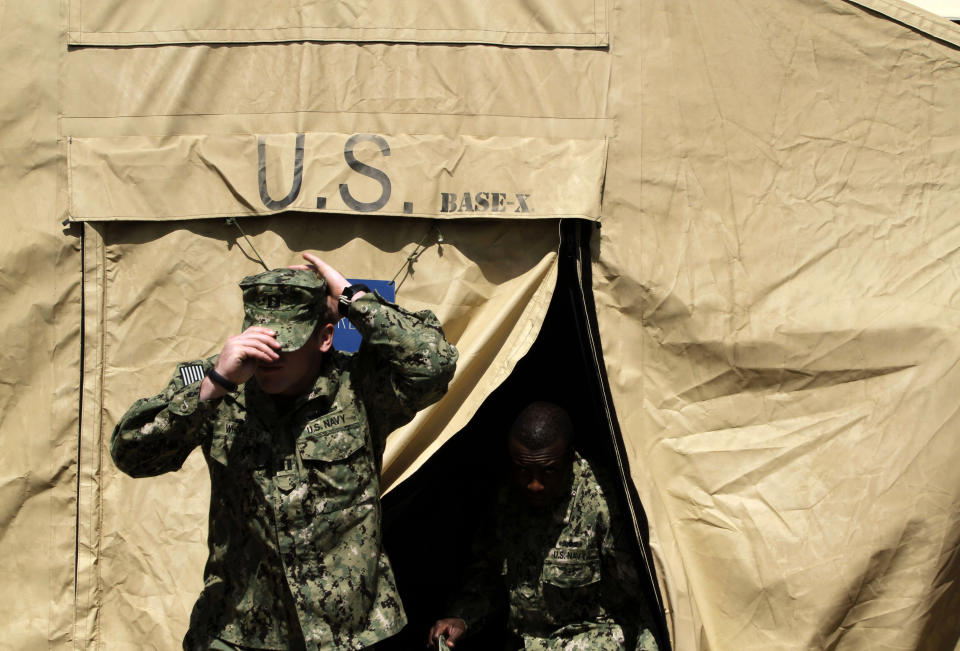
541	453
540	425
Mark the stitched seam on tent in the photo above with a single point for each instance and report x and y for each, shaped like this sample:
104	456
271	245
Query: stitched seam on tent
339	29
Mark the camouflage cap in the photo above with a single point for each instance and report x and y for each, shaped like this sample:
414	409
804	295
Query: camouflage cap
288	301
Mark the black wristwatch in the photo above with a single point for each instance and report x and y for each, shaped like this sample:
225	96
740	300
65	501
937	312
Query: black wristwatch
346	296
221	381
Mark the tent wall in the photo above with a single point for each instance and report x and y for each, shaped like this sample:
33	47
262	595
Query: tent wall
777	299
775	283
40	322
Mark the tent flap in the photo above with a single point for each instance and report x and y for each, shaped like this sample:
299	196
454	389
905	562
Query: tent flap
157	293
202	176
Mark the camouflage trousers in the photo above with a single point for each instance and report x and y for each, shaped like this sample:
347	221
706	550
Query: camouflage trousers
607	640
220	645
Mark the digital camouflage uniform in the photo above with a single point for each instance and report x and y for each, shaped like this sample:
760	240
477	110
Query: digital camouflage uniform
295	554
571	584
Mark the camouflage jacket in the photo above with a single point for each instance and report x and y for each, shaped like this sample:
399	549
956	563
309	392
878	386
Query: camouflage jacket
295	555
570	580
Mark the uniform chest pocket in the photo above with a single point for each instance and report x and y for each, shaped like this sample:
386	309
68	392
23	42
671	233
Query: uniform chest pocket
331	446
338	467
238	447
569	569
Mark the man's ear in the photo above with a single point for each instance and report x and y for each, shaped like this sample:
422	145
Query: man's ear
325	338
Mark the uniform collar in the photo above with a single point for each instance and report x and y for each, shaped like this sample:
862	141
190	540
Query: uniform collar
328	380
577	472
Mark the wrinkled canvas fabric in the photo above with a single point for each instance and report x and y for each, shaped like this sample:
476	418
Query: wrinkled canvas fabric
773	278
791	303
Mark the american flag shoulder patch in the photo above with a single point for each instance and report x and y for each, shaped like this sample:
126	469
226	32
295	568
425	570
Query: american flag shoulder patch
191	373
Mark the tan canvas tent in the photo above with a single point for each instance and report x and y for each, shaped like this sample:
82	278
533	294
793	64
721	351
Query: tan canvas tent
771	194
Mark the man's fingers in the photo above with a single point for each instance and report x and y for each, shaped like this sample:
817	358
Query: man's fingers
315	261
258	330
259	351
451	628
250	337
335	280
242	352
453	634
268	339
250	349
438	629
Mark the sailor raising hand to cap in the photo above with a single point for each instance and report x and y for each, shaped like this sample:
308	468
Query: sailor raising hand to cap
293	434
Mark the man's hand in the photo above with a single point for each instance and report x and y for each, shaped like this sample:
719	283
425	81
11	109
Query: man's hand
452	627
240	357
335	280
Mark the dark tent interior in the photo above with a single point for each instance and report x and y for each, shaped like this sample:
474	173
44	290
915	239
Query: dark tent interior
431	519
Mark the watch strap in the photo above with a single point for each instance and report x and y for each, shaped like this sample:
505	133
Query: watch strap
221	381
346	297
